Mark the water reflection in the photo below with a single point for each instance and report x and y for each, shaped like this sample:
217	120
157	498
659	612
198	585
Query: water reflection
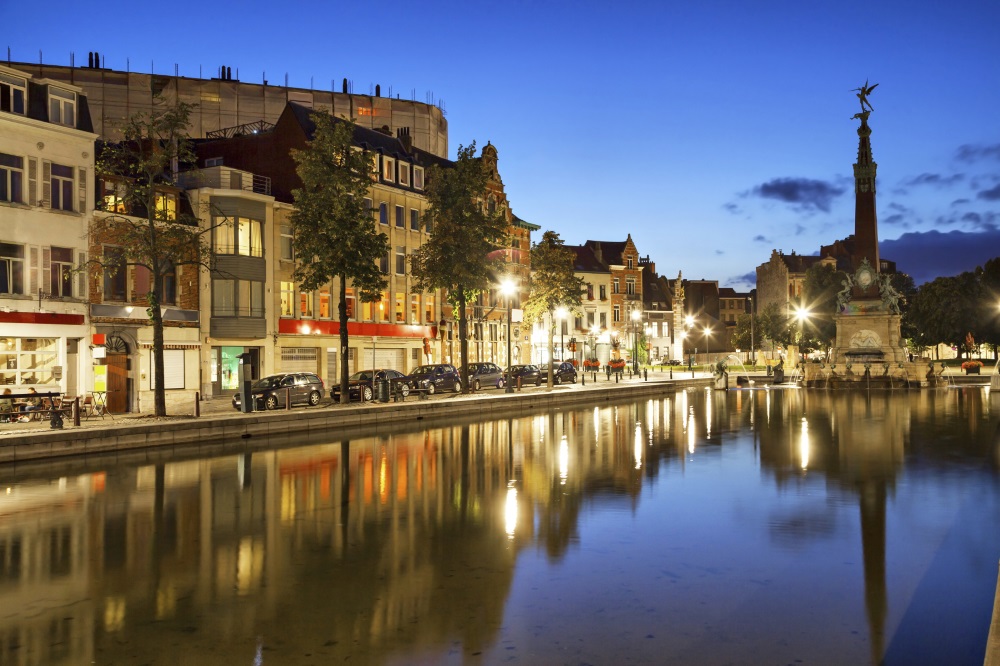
463	540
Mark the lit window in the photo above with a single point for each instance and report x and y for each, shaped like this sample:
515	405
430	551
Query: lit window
166	206
13	92
11	178
404	174
11	268
249	238
114	196
414	308
388	169
287	295
224	298
306	304
400	304
324	303
223	236
62	107
418	177
428	308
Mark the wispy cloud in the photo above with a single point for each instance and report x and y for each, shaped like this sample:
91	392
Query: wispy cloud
992	194
804	194
747	280
761	239
931	254
975	152
934	179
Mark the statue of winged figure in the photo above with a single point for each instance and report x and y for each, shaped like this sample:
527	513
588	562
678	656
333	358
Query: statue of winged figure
863	93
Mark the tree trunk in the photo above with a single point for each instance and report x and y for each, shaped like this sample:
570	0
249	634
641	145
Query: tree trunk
552	345
343	380
159	391
463	340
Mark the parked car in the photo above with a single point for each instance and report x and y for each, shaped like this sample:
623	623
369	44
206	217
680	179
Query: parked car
564	372
485	374
435	377
269	392
528	374
363	384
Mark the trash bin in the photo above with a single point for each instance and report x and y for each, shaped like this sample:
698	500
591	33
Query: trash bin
779	375
382	390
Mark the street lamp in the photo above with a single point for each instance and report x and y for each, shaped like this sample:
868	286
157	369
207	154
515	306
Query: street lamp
708	331
635	341
507	288
801	314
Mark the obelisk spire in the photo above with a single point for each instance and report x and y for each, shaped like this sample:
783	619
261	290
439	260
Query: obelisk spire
865	219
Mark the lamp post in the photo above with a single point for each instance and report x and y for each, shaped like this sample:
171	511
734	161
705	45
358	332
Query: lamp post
561	316
507	289
708	331
753	354
635	341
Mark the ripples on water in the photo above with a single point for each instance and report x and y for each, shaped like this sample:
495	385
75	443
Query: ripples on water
744	527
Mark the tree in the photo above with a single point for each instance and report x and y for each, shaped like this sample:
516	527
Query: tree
461	255
145	221
775	326
747	333
552	285
333	234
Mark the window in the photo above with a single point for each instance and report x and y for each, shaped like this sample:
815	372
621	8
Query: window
617	314
383	213
114	280
414	308
414	219
604	292
590	320
166	206
400	305
369	206
590	292
615	287
60	272
11	268
62	107
11	178
630	286
224	298
418	177
400	260
383	307
240	235
287	295
389	169
604	320
113	195
60	186
374	167
168	288
28	361
286	241
631	261
13	92
429	308
306	304
400	217
404	174
383	264
350	302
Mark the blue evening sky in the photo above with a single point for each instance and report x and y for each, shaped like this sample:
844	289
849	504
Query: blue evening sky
713	132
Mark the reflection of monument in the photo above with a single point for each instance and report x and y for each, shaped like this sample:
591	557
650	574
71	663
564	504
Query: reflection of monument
868	350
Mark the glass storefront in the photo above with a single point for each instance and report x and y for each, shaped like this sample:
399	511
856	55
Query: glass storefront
29	361
225	367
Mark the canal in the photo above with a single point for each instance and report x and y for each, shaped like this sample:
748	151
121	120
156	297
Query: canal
743	527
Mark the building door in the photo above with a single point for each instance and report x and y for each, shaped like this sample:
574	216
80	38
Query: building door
117	382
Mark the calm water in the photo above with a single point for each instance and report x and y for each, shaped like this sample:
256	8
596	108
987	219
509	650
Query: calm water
748	527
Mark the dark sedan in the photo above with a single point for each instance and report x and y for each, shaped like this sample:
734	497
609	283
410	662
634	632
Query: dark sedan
528	374
563	372
362	384
270	392
436	377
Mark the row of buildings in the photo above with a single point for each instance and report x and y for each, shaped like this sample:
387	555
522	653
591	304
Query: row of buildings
67	329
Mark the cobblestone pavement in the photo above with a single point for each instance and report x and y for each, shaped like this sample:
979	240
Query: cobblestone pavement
221	406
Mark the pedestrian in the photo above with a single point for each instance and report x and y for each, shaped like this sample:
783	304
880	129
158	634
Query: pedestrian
32	404
6	406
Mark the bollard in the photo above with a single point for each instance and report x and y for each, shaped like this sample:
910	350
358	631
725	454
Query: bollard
197	404
671	373
645	375
76	411
583	379
616	377
288	399
519	383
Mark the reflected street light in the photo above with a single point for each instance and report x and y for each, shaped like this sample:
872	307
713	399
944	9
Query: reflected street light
708	332
561	313
507	288
802	314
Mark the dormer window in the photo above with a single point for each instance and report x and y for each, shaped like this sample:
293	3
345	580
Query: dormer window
418	177
62	107
631	260
389	169
13	93
404	174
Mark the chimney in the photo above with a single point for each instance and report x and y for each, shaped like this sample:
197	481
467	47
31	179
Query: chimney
403	134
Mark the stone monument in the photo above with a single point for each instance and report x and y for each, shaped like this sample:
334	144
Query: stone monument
869	351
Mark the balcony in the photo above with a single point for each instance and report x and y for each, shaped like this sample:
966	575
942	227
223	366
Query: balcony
226	178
